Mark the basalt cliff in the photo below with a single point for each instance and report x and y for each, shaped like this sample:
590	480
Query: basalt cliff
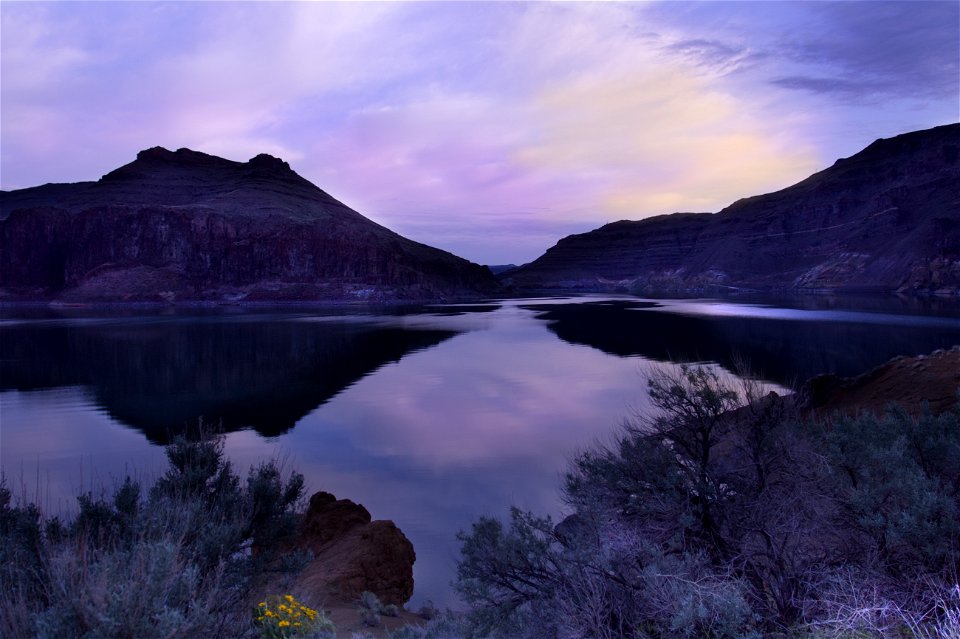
180	226
885	219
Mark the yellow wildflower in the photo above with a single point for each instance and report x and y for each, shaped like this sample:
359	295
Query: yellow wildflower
289	598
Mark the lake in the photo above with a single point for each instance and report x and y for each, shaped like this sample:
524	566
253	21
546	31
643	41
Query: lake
430	416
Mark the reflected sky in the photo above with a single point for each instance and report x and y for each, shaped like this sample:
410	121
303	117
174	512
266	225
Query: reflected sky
716	308
455	412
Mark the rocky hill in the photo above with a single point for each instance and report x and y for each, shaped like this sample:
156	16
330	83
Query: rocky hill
887	218
181	226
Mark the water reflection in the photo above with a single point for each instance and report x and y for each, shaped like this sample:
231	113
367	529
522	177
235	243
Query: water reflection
786	346
430	417
161	377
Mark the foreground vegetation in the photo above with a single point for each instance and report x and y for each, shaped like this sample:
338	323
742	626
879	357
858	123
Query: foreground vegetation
722	517
180	561
704	522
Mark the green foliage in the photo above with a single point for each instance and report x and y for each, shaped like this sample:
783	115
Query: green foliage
176	563
370	608
370	601
899	480
23	571
507	569
723	516
428	610
144	590
537	580
390	610
272	504
370	617
285	618
441	626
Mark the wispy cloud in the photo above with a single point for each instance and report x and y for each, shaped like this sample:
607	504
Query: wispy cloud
833	86
462	124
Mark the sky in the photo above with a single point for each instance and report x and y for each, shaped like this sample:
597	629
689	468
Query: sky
490	130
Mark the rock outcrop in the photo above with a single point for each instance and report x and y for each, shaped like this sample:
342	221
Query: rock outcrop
353	554
183	226
911	382
887	218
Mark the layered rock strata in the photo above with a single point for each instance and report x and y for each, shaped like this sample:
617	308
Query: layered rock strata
184	226
887	218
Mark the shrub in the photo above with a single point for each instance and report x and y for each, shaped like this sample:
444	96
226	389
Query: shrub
178	562
723	516
284	617
898	481
371	608
23	573
370	617
441	626
534	580
369	601
143	590
428	610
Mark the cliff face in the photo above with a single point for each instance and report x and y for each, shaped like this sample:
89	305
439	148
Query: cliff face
180	226
887	218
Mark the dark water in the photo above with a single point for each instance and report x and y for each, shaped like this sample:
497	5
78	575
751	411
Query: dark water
428	416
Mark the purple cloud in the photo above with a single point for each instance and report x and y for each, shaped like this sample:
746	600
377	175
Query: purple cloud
487	129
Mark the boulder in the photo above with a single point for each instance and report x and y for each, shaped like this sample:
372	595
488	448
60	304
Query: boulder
352	553
328	519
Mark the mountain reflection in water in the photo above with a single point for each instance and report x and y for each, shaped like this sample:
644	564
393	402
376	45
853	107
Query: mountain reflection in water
161	377
429	416
786	346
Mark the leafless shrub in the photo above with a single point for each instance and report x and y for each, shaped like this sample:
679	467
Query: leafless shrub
856	604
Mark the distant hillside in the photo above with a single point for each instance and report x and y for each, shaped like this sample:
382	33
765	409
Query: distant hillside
500	269
182	226
887	218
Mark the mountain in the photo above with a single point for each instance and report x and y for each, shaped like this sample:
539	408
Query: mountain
887	218
500	269
183	226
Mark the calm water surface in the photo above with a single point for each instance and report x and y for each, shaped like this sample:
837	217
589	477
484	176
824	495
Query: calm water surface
430	416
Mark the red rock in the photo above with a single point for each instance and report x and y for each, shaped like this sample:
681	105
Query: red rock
353	554
329	518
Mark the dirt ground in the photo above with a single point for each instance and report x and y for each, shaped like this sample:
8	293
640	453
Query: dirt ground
346	617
